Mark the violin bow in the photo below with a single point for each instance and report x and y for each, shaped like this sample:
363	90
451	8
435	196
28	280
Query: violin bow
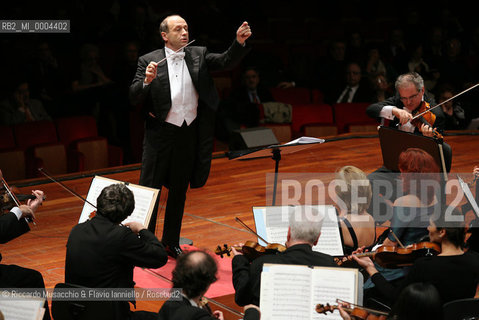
65	187
378	312
250	230
445	101
13	196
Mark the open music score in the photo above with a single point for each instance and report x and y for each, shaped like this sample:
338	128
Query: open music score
288	290
272	224
145	199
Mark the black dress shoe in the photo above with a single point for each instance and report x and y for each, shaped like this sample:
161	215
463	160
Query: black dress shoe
173	251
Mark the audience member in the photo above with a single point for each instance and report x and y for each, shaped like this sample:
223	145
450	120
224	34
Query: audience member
376	64
243	106
194	272
303	233
102	253
382	88
19	107
453	112
356	89
331	69
47	78
452	67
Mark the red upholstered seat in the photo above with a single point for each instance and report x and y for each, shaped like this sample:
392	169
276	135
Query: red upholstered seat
304	114
292	96
30	134
349	114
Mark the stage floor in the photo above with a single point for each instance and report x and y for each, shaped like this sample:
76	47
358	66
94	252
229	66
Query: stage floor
233	188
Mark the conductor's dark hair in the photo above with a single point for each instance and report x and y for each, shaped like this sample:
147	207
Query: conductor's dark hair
417	301
115	202
195	271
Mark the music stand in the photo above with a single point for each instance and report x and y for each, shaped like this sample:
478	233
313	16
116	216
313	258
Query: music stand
275	152
394	141
471	202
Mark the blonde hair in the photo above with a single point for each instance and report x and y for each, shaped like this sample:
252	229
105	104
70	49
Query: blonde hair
346	175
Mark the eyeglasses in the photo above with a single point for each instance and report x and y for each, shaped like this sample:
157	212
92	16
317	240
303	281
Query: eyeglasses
407	99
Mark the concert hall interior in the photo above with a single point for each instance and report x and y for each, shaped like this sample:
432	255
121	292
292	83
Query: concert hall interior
314	69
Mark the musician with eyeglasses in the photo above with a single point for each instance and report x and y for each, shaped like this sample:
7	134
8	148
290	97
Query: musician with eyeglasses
399	111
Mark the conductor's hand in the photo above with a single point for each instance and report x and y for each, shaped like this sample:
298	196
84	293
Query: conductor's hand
243	33
150	72
402	115
135	226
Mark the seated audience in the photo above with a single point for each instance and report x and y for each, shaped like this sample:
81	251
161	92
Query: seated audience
354	89
20	108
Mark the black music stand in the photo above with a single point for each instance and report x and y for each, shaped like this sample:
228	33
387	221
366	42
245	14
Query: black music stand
394	141
275	152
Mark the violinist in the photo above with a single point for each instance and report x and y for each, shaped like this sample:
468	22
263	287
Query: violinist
303	233
411	211
194	272
12	225
418	301
473	240
357	225
410	98
453	272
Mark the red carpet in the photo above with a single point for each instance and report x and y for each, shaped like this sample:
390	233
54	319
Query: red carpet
221	287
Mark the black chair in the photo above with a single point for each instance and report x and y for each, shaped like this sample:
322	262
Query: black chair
462	309
81	309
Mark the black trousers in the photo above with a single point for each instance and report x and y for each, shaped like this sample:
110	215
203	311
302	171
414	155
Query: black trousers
169	154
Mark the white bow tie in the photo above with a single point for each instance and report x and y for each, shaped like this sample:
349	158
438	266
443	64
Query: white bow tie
177	56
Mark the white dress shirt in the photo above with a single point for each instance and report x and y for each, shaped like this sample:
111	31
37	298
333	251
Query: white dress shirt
387	113
184	98
351	94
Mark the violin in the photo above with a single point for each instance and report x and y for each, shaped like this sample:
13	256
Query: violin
10	200
251	249
423	115
392	257
357	313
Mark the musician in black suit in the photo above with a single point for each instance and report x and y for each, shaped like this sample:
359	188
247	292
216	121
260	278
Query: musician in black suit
180	100
303	233
398	110
194	272
102	253
12	225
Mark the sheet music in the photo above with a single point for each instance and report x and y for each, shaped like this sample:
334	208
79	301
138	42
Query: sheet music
305	140
293	291
144	200
22	309
333	283
272	224
285	292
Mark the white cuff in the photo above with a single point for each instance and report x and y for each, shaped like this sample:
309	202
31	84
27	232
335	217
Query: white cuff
387	112
17	212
